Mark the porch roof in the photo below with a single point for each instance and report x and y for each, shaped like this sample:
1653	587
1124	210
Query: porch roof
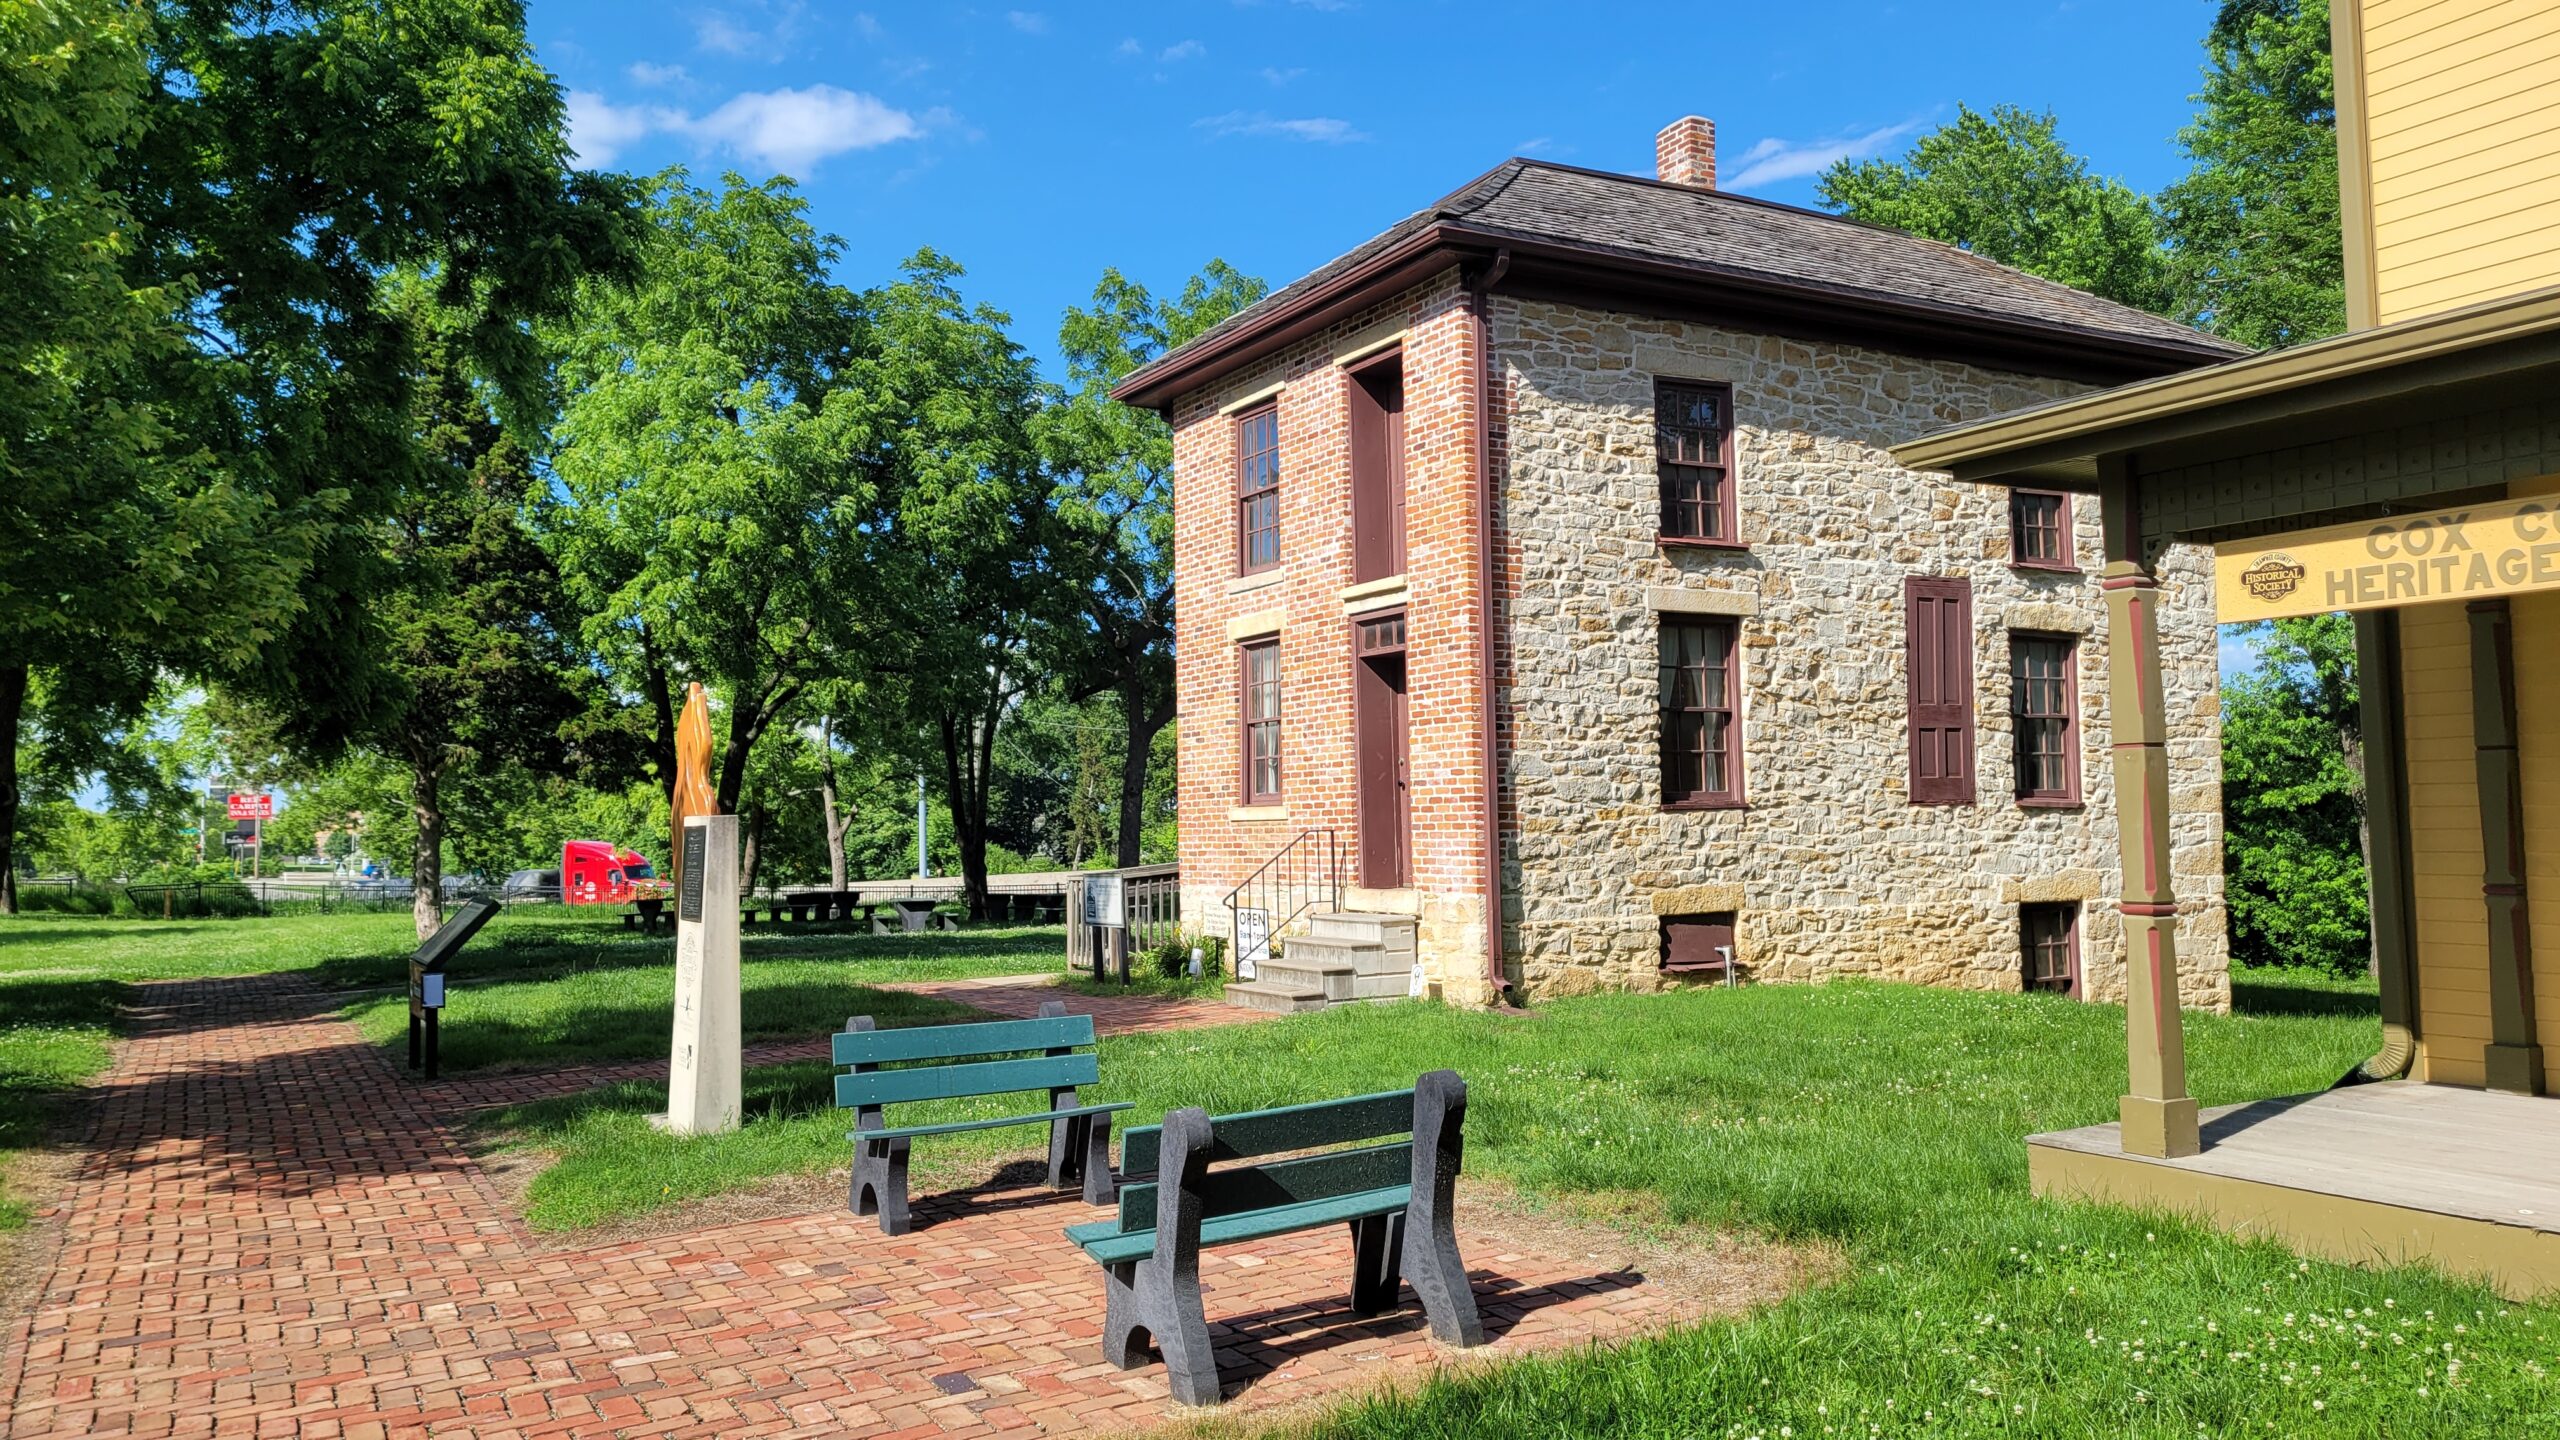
2251	403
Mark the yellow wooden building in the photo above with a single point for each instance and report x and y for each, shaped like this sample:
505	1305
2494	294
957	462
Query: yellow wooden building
2407	471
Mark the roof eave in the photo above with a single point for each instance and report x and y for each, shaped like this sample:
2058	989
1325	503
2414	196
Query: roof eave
2034	347
2050	441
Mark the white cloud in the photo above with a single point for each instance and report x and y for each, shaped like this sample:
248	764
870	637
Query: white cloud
1184	50
1029	22
717	32
1278	76
788	130
1773	160
599	130
794	129
1130	46
656	76
1320	129
776	25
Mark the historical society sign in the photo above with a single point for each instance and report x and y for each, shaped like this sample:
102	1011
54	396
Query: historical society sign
2500	548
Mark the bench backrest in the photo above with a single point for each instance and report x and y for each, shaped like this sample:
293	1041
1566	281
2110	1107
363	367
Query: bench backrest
969	1047
1429	1113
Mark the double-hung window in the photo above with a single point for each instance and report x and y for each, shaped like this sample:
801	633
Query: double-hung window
1693	452
2040	530
1258	489
1260	676
2043	706
1700	729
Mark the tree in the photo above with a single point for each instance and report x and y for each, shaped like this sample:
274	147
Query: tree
472	642
2293	799
712	522
122	543
2256	250
944	403
293	154
1114	467
2003	186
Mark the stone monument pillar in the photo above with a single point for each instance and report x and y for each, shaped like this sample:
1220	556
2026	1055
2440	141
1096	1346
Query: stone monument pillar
704	1083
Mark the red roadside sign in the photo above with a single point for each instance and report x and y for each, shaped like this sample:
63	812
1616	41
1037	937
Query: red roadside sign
253	807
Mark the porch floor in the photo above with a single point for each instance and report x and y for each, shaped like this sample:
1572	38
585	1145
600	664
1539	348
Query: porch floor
2396	1173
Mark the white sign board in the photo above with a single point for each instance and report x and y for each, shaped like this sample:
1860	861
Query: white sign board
1253	942
1103	902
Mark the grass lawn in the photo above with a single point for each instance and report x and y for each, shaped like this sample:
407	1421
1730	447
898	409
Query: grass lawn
1882	1119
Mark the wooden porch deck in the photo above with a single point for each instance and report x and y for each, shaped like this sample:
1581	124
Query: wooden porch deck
2395	1173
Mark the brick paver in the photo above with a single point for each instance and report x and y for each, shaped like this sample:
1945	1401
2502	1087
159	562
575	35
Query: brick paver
276	1234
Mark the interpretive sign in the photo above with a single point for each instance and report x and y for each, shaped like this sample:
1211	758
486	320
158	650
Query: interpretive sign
1104	904
2470	552
704	1081
426	977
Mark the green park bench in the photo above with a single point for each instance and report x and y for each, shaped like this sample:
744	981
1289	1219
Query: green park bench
1079	1135
1396	1198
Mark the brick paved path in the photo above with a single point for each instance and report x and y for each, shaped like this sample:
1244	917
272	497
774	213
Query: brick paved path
276	1235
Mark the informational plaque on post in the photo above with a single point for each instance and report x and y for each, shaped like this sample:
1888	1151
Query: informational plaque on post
1104	904
705	1085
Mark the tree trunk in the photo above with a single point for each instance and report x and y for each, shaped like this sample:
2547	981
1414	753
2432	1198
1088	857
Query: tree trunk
426	862
837	824
662	704
964	787
13	705
751	833
1139	722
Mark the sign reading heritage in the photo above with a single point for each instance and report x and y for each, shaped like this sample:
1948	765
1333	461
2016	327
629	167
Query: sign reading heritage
2503	547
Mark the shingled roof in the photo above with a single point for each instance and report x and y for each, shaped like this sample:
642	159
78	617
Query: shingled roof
1725	249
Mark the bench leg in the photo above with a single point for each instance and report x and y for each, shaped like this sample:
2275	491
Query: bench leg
880	1183
1141	1303
1377	1263
1430	1243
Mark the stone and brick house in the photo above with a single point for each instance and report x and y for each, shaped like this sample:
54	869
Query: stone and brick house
1542	559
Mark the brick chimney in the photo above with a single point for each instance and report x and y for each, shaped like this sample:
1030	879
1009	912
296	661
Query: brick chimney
1685	153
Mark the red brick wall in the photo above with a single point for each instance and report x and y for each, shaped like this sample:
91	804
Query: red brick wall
1443	609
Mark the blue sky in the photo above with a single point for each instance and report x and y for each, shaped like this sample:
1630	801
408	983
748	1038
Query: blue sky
1038	145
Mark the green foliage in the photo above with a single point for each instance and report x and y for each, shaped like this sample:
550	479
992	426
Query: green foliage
2256	245
2002	186
1113	468
2293	799
711	521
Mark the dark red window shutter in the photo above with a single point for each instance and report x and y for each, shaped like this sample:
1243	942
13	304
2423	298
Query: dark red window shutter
1938	659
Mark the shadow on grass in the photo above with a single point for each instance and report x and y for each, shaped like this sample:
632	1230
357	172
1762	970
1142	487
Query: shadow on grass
2277	992
637	1028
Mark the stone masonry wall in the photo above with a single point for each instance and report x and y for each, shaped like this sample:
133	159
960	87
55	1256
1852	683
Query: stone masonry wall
1830	869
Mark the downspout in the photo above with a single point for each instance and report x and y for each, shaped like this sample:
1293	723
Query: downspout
1496	979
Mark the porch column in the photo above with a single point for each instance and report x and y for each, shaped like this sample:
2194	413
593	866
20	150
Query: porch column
2159	1117
2513	1059
2391	900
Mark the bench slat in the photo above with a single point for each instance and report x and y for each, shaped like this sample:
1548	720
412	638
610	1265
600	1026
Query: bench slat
943	1042
1099	1241
1291	1127
1280	1183
956	1126
953	1082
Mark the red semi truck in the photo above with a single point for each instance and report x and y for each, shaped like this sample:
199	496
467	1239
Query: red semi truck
599	872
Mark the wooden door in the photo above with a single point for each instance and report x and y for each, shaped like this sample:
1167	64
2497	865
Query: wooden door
1377	472
1381	718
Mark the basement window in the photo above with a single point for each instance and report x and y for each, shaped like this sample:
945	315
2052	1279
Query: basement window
1697	944
2049	946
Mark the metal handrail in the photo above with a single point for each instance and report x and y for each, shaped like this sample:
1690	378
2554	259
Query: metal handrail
1303	874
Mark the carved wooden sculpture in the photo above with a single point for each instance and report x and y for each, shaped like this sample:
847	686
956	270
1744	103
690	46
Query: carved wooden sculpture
693	793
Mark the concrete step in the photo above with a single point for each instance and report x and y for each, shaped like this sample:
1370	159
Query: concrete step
1279	999
1397	986
1358	925
1294	971
1326	952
